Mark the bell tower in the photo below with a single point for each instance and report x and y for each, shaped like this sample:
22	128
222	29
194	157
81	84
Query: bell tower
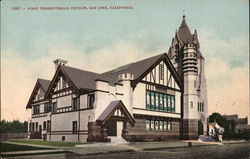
188	61
190	95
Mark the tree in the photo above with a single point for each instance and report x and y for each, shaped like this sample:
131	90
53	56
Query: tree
217	117
14	126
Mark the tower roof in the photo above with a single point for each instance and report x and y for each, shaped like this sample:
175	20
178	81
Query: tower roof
184	32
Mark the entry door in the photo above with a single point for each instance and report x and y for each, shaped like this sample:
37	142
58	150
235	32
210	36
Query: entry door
111	127
119	128
40	128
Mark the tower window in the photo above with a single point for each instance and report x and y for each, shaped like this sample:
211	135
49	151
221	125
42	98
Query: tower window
191	104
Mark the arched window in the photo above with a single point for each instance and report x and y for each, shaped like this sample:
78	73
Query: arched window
191	104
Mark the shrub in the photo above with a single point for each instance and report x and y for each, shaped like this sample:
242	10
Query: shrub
232	135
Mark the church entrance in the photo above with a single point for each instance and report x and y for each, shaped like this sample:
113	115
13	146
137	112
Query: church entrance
200	128
114	127
111	127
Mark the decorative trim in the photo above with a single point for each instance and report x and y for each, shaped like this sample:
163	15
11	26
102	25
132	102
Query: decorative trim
38	115
162	86
153	117
169	65
42	101
70	131
59	72
62	90
85	133
73	111
155	110
62	95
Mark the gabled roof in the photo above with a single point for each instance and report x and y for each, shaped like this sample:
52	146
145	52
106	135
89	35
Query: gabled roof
141	68
79	79
85	80
136	68
111	108
44	84
40	83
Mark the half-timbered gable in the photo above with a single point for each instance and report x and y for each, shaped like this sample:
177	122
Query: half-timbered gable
161	76
38	93
159	90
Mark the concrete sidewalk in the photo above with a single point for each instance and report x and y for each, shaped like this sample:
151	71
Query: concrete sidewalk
100	148
104	148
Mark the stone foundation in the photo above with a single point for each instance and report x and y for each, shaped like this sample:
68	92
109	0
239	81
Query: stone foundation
139	132
190	129
96	133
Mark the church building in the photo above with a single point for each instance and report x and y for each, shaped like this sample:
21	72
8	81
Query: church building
158	98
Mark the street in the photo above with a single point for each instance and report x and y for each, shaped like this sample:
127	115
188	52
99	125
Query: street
240	150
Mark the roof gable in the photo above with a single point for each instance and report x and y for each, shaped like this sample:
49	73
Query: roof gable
140	69
136	68
40	84
169	65
77	79
110	111
82	79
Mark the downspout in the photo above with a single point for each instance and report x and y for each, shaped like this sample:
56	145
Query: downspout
50	127
79	118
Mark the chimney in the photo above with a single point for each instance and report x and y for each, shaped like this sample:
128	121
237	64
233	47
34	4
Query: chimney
58	62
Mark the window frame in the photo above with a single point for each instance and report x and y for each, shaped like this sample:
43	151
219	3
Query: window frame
74	127
75	103
160	101
44	125
91	100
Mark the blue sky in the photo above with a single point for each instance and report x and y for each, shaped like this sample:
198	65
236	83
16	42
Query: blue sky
159	18
32	38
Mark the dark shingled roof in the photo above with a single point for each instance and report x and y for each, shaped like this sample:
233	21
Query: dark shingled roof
44	84
108	110
136	68
107	113
85	80
81	78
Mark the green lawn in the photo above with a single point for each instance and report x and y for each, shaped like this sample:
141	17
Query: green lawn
48	143
13	147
